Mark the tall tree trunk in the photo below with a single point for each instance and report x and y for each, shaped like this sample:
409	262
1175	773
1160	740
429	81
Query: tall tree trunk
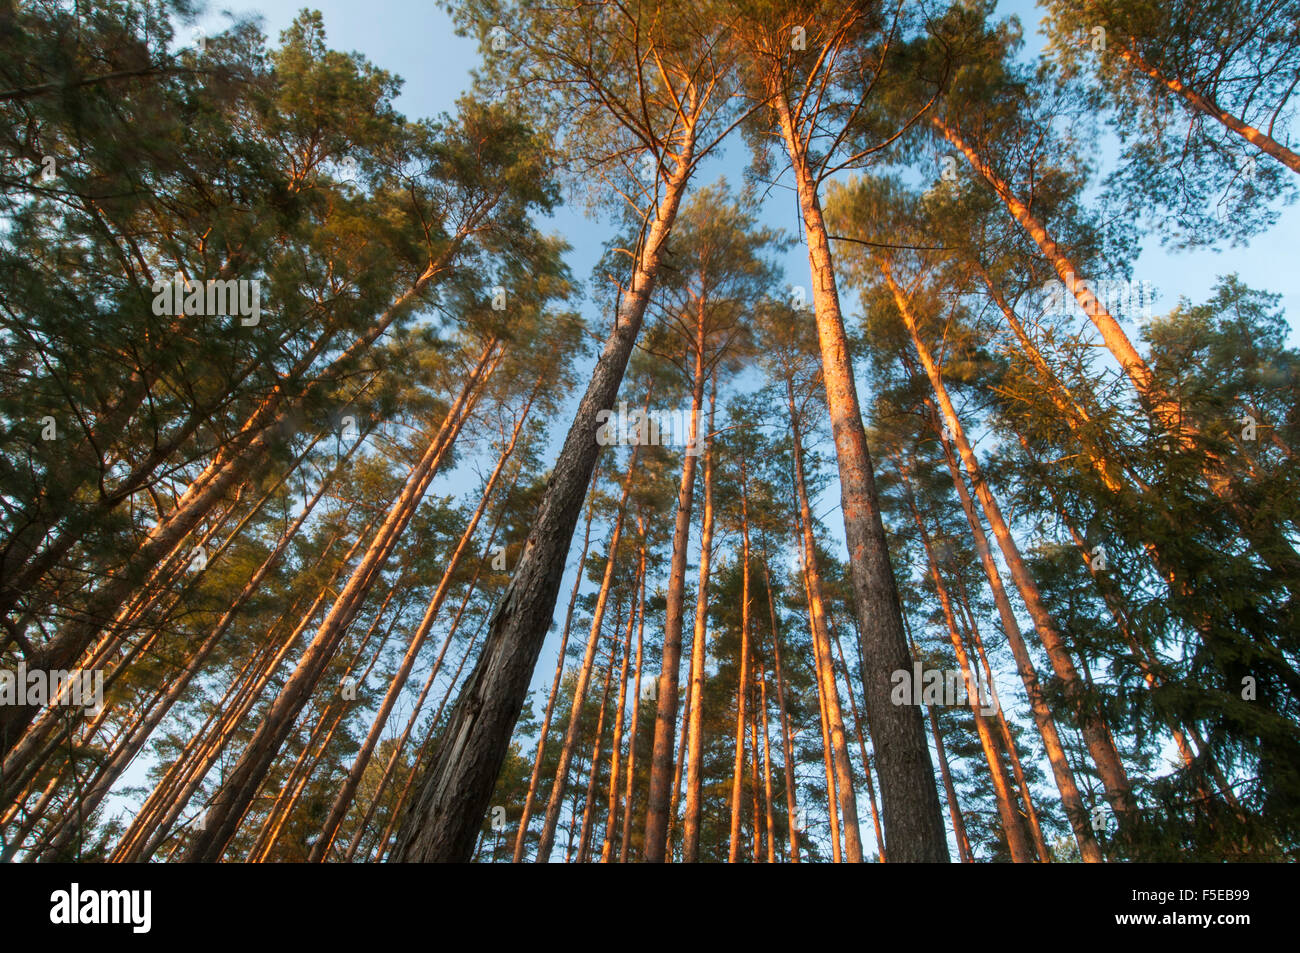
616	744
826	679
954	809
1004	729
589	802
699	646
661	759
1269	542
445	818
862	746
636	699
910	800
1017	846
791	804
164	805
742	688
769	820
1066	786
1206	106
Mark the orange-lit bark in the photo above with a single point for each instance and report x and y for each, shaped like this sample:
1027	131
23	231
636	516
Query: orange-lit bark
1203	104
826	680
616	745
589	802
1004	729
662	762
742	688
910	800
1016	843
1109	765
626	844
699	645
769	820
584	672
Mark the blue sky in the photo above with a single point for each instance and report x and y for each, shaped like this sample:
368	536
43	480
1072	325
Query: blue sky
415	40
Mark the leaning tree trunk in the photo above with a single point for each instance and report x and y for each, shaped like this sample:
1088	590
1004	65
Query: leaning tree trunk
240	787
443	822
1016	843
1109	765
1203	104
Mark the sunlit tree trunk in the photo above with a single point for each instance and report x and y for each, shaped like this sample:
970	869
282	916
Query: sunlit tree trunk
1203	104
347	790
584	672
661	760
826	678
699	647
1004	729
1107	759
910	800
1016	843
742	689
862	747
616	745
589	802
625	846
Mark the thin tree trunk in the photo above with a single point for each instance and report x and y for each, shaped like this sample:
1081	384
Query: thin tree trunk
584	673
769	818
1071	800
616	745
636	700
826	679
1016	843
1008	740
862	746
234	796
791	804
742	689
661	760
1203	104
1109	765
521	837
347	791
695	694
589	803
